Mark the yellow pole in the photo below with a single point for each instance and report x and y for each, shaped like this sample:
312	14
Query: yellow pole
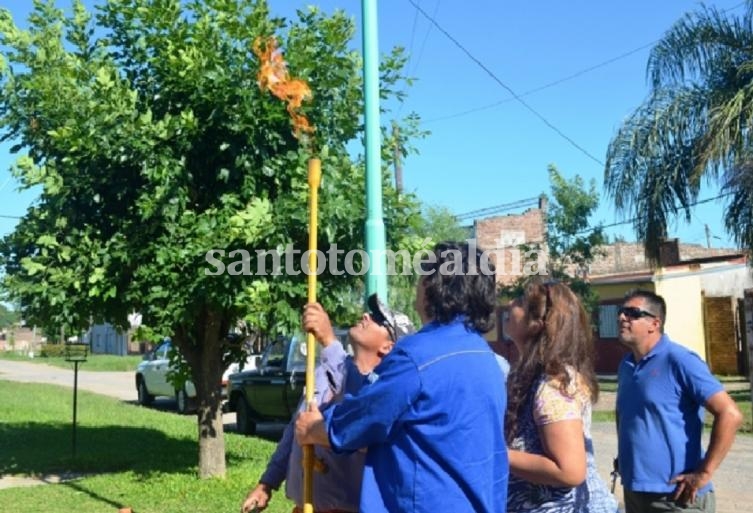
314	176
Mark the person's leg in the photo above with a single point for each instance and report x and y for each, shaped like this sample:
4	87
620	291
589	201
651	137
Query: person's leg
642	502
705	504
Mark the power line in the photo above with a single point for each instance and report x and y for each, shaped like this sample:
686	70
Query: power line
496	209
426	36
474	214
412	37
558	81
634	219
505	86
542	87
410	53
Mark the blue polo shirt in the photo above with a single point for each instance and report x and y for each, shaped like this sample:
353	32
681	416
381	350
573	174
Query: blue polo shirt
660	410
432	418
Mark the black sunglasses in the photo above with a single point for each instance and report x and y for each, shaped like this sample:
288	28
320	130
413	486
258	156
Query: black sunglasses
633	312
381	320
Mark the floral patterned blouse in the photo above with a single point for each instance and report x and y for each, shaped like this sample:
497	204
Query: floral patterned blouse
547	404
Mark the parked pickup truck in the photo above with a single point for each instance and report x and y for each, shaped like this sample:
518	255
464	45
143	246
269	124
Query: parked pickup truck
272	391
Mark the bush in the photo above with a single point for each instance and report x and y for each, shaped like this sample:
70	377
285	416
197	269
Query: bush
52	351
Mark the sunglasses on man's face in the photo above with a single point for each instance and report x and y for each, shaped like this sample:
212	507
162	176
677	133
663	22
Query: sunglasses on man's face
379	319
633	312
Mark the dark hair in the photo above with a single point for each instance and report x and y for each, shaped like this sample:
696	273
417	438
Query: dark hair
656	304
558	336
461	281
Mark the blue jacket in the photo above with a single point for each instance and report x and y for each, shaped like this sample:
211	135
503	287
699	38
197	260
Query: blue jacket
432	417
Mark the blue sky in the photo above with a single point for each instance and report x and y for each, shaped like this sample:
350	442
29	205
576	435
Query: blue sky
497	155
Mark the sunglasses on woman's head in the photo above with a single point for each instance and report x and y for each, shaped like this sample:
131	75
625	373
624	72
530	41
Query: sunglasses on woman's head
633	312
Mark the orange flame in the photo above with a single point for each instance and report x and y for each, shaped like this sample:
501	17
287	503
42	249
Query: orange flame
273	76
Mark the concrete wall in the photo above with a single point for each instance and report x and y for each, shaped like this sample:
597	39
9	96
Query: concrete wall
728	280
623	257
682	292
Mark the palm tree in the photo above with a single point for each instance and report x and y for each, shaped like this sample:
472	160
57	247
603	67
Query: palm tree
695	125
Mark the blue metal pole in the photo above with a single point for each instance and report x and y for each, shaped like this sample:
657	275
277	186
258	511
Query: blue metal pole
376	279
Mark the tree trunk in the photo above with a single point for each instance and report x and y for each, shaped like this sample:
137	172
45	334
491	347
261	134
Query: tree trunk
211	441
206	362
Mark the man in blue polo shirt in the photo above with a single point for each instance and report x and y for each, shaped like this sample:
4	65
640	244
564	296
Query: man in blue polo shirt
662	390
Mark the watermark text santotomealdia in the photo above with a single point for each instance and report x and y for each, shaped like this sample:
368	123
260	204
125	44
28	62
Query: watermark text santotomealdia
356	262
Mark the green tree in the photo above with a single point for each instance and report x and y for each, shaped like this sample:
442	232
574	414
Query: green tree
441	224
694	125
436	223
8	317
152	145
572	243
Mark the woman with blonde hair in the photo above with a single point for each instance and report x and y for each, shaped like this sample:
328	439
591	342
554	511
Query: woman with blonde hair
552	387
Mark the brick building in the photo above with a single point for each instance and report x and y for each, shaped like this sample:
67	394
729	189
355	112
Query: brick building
703	288
507	238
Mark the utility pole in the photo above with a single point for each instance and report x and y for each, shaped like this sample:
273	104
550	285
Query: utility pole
376	278
708	236
398	164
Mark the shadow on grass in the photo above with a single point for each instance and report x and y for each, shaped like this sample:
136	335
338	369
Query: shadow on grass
42	448
75	486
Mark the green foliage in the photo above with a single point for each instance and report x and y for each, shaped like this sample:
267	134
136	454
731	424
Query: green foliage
441	224
52	351
435	224
571	242
694	125
8	317
152	144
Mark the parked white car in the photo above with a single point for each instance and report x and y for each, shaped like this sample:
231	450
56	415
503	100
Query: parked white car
152	378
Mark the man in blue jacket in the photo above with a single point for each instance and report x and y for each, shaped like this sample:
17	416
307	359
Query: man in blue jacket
432	413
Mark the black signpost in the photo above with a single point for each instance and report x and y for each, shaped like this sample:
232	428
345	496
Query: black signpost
75	352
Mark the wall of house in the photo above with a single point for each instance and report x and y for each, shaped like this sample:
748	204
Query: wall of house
728	280
682	292
622	257
501	236
608	291
684	287
105	339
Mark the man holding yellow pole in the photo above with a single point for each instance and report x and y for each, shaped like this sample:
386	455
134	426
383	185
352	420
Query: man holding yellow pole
337	480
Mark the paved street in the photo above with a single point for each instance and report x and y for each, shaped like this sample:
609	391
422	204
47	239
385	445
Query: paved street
732	480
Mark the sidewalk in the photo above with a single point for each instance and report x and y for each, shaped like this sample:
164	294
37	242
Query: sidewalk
121	385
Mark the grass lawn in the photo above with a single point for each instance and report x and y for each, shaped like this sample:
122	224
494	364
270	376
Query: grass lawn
133	457
741	397
94	362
